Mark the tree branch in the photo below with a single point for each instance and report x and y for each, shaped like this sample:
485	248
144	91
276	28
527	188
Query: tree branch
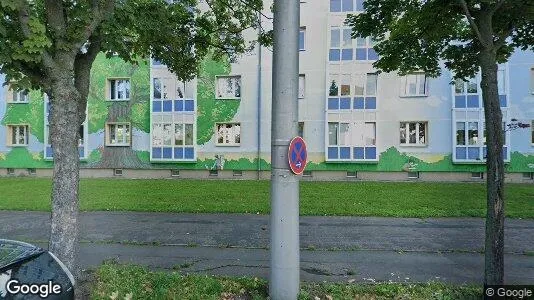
471	21
496	6
55	17
99	15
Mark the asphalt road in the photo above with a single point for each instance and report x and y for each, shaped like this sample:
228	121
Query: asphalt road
332	248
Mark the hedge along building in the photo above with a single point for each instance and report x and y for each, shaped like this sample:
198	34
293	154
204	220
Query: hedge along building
143	122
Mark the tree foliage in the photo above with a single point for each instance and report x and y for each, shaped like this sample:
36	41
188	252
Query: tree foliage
418	35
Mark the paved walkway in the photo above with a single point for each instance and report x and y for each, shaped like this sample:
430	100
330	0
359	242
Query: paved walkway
366	249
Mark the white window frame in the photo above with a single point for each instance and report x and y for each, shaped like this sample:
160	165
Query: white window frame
19	94
532	132
340	41
417	130
127	139
115	82
302	86
302	30
14	133
405	92
369	44
236	84
232	134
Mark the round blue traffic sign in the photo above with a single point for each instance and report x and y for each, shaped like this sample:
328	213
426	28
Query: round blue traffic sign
297	155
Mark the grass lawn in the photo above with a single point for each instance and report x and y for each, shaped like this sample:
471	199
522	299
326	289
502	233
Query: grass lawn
133	282
391	199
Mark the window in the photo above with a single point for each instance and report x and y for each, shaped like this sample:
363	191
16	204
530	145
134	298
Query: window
118	134
414	85
228	134
364	49
338	133
18	135
119	89
307	173
477	175
175	173
20	96
302	86
346	5
32	171
173	137
214	172
528	175
352	174
10	171
302	39
341	45
413	133
471	138
237	173
501	81
365	87
466	93
413	175
229	87
117	172
301	129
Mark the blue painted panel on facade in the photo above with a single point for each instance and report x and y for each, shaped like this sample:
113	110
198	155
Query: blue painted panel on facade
359	103
178	153
346	54
344	152
189	105
472	101
484	152
333	103
359	5
361	54
178	105
333	153
502	100
505	153
156	106
461	153
49	152
156	152
334	55
347	5
372	54
344	103
167	105
370	102
370	152
167	152
459	102
189	153
301	40
81	151
335	5
359	153
473	152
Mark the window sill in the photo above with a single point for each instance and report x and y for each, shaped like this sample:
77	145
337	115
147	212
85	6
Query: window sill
18	146
413	96
414	145
118	100
25	102
227	98
118	145
227	145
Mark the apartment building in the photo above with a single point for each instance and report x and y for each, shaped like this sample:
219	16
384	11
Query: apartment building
142	122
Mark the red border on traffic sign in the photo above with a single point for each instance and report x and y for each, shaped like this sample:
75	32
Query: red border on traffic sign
297	156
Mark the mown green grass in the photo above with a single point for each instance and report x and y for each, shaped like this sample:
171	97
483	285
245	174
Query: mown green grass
388	199
134	282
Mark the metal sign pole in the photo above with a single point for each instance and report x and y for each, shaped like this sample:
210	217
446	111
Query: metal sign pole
284	222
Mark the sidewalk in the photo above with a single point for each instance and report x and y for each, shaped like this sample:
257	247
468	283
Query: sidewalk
333	248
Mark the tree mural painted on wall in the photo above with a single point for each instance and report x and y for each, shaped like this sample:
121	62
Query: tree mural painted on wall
135	111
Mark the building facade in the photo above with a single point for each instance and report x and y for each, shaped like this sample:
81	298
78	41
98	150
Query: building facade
358	124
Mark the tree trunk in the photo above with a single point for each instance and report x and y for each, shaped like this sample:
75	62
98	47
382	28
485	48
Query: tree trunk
494	246
64	124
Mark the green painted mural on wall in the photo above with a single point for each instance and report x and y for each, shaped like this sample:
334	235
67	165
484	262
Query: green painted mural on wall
20	157
31	113
136	110
209	109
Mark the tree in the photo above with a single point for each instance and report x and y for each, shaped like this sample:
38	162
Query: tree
468	36
51	45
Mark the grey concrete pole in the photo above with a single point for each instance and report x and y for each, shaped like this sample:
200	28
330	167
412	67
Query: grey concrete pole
284	222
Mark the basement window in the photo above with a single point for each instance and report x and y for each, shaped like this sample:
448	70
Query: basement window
477	175
238	173
175	173
117	172
10	171
528	175
413	175
32	171
352	174
214	173
307	174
